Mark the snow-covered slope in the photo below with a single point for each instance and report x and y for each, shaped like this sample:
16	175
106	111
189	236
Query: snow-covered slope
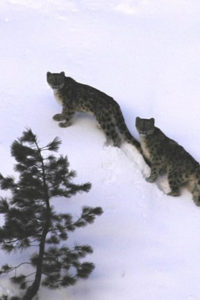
146	55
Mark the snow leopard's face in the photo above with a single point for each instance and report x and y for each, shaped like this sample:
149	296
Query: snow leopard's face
145	126
56	80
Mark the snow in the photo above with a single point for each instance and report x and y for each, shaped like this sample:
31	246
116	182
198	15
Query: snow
146	55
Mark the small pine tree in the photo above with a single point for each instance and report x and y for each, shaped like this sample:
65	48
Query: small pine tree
31	219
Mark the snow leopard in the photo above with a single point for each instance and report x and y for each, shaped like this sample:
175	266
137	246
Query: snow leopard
77	97
167	157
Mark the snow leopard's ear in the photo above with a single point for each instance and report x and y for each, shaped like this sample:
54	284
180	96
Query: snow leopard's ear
137	119
62	73
152	121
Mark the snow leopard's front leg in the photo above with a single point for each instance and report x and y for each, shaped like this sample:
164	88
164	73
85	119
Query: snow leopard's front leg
67	116
155	172
58	117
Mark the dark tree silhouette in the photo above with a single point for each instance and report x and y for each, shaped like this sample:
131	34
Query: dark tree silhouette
30	219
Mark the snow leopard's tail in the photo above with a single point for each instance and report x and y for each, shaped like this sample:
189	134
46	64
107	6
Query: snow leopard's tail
123	129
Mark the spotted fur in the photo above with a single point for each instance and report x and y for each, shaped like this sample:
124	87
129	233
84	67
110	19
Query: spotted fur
77	97
167	156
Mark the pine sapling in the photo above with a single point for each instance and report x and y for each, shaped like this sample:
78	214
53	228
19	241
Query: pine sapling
30	219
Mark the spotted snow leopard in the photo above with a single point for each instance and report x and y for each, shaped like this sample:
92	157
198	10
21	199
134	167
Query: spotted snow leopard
167	156
77	97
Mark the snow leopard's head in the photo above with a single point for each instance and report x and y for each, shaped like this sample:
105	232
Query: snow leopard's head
56	80
145	126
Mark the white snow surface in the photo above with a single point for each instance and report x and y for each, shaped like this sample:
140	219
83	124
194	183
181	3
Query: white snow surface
145	54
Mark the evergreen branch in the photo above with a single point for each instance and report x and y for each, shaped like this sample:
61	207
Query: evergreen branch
53	146
30	274
8	269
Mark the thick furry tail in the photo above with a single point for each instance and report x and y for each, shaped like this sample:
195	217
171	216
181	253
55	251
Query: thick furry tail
123	129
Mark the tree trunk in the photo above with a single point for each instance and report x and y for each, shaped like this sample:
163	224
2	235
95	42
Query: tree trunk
33	289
